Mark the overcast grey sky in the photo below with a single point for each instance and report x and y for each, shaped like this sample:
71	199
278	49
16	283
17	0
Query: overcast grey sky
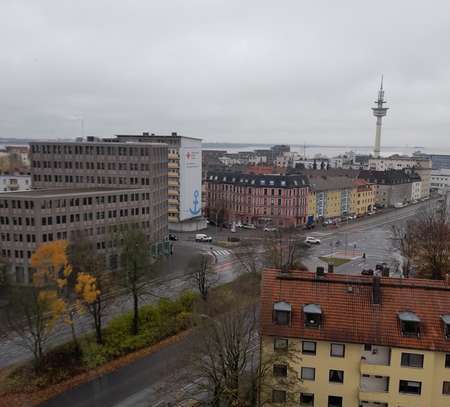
234	70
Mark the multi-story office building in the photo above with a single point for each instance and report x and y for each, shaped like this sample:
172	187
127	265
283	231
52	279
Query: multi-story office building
353	341
29	218
184	178
421	165
85	186
261	199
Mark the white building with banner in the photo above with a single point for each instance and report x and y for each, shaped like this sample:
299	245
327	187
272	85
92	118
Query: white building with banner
184	193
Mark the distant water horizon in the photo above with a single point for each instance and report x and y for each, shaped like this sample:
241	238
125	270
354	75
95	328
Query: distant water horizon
312	150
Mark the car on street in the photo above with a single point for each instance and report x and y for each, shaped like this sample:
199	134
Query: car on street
201	237
312	240
270	229
248	226
367	272
173	237
371	213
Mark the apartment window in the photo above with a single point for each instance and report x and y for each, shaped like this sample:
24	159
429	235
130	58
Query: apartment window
446	388
337	350
280	344
306	399
278	396
335	401
336	376
410	323
282	313
412	360
280	370
308	373
313	315
410	387
447	360
309	348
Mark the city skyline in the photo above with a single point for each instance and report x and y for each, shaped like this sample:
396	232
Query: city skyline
262	73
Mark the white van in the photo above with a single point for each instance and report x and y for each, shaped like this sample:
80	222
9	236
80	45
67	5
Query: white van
201	237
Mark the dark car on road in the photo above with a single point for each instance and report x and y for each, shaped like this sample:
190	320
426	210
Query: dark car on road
172	237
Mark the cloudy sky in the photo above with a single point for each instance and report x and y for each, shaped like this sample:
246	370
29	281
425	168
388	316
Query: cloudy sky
289	71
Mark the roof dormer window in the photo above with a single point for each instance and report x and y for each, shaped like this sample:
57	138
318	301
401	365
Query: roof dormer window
410	323
282	313
446	321
313	315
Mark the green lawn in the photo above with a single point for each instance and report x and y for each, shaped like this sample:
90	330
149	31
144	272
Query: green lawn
335	261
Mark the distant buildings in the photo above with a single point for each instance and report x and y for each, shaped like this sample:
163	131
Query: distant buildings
263	200
393	187
440	180
420	165
286	199
332	340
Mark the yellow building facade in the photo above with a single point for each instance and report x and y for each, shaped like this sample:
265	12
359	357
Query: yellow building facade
363	197
370	377
335	340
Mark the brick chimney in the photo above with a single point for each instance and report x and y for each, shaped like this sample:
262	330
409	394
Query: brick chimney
376	290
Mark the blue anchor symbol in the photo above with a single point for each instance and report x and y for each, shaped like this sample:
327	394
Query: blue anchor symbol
196	209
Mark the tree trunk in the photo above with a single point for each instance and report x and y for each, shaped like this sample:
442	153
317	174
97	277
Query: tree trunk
135	328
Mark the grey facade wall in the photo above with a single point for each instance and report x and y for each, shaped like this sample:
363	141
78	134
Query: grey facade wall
30	219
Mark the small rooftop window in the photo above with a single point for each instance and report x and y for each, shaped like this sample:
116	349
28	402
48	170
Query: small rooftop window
224	179
283	183
410	323
211	177
272	182
282	313
216	178
252	182
446	320
313	315
263	182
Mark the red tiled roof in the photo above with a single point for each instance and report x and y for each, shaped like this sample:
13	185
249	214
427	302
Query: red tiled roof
349	315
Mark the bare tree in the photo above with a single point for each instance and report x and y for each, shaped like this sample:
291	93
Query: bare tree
31	316
283	249
425	243
223	349
202	273
137	268
249	256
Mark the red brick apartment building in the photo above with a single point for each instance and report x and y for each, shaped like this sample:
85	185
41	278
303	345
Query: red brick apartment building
262	199
355	341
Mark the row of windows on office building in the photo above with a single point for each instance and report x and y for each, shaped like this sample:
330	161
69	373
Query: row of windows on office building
89	165
90	179
75	202
84	150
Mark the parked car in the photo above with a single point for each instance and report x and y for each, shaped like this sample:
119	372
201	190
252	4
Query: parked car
312	240
399	205
270	229
201	237
367	272
248	226
172	237
371	213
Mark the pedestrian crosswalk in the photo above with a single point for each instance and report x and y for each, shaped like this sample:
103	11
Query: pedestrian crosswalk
220	252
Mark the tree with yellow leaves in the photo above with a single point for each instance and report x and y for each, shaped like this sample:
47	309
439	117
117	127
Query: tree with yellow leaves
52	269
93	283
